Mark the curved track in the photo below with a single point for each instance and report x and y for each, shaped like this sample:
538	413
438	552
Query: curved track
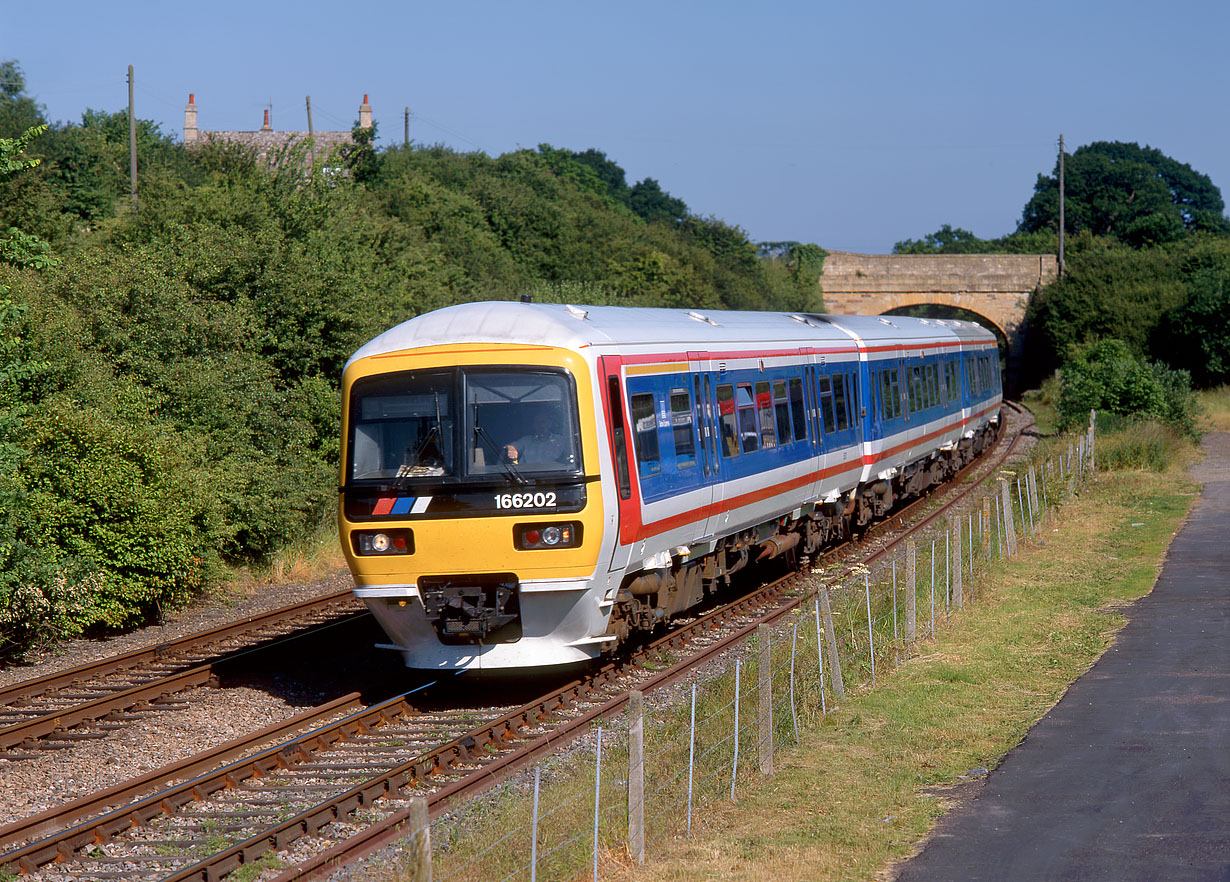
199	820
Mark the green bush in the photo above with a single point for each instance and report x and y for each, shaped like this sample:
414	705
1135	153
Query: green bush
1107	377
1130	444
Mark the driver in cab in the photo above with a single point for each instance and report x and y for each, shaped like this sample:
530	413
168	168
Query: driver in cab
542	445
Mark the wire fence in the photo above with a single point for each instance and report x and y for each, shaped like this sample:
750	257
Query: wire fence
639	782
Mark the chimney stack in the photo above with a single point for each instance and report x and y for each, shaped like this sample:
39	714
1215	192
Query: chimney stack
266	127
191	134
365	114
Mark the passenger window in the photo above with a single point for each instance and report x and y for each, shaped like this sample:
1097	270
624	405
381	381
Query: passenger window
730	420
840	403
915	389
798	409
764	409
748	433
645	422
826	405
681	429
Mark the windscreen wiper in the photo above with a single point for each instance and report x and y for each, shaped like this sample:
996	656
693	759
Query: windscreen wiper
511	469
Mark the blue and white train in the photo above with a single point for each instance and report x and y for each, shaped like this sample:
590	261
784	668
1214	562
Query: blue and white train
526	485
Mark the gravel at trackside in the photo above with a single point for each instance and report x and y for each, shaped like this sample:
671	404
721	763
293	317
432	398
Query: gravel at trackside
214	716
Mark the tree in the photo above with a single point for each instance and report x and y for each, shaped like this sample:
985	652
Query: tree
1196	335
945	240
650	201
18	111
1136	194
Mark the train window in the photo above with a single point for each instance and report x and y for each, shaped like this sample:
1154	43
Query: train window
781	405
853	389
797	409
764	409
953	381
618	440
933	378
840	402
890	394
645	423
915	389
969	376
681	429
403	426
748	432
729	419
826	405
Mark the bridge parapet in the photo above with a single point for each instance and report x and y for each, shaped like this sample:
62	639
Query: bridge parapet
995	286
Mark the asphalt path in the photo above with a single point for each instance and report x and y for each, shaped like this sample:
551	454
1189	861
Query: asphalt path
1128	776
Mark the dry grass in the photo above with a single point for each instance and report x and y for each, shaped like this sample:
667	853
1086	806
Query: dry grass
311	558
1216	404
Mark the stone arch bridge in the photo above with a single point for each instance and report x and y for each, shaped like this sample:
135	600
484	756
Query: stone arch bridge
995	286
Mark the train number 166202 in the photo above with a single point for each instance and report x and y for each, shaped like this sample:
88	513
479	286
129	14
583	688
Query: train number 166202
525	500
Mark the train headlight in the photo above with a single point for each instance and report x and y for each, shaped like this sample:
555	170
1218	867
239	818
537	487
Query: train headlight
528	537
375	542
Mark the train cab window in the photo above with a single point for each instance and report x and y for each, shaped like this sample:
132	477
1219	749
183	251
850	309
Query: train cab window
645	423
729	420
841	402
826	405
403	425
682	430
618	439
764	410
746	406
798	410
852	388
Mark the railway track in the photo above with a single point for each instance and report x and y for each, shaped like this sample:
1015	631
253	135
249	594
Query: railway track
340	789
122	688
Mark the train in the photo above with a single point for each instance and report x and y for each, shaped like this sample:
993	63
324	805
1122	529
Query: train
528	485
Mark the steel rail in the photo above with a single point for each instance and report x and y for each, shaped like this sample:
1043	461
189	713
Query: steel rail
41	685
470	748
388	830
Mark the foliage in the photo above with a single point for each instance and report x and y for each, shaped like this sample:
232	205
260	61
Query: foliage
1107	376
1196	335
1135	194
169	371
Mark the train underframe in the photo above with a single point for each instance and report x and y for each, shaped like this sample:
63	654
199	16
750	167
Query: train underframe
647	600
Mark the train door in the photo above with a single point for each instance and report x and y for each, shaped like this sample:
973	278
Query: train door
708	460
619	435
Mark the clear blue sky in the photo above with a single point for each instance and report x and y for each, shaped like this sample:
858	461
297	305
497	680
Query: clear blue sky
851	125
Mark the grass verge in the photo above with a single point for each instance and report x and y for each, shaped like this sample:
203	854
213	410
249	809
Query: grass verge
862	789
867	780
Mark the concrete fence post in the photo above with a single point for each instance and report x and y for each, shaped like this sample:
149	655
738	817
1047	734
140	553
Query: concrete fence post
958	594
764	635
636	776
830	636
1009	527
911	584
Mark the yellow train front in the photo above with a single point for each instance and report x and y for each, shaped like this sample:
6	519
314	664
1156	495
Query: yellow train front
471	513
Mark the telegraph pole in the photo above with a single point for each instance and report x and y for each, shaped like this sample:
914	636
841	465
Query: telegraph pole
311	134
132	138
1061	229
406	137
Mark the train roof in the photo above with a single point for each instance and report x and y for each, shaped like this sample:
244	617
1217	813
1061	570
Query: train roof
577	327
